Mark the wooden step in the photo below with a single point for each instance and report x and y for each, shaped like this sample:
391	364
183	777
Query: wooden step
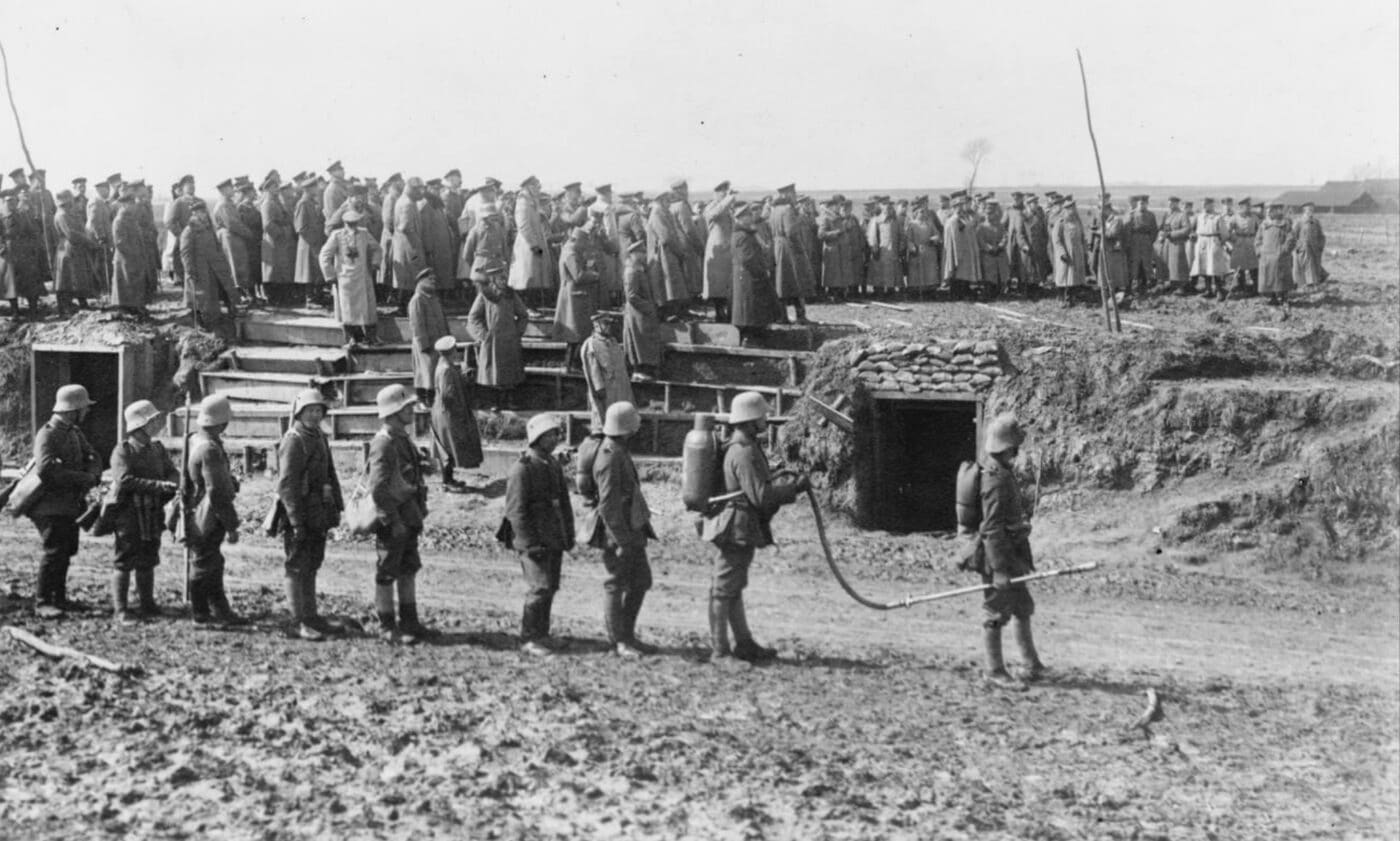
286	359
256	387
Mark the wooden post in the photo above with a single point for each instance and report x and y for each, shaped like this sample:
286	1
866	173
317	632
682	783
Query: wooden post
1110	306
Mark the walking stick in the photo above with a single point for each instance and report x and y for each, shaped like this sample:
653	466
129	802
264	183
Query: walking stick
1110	306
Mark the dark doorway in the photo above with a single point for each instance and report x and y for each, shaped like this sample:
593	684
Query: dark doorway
100	373
918	447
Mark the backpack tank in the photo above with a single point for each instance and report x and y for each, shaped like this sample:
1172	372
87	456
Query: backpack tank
700	464
969	496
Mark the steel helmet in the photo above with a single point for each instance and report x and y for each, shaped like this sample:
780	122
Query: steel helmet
215	410
140	413
309	397
1004	433
392	398
71	398
540	424
622	419
748	406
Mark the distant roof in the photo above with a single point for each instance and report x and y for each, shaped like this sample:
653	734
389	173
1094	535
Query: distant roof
1295	198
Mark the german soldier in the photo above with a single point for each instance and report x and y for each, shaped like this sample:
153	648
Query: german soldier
310	495
67	467
621	526
741	527
211	489
143	480
401	498
540	523
604	367
454	418
1004	543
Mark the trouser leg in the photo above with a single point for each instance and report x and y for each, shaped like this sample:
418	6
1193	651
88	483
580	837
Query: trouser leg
121	583
1025	640
719	626
540	568
146	591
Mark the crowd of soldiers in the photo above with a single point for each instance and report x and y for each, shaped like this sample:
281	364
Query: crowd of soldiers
352	244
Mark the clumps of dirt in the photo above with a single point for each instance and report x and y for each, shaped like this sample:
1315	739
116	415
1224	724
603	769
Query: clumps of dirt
810	440
1220	354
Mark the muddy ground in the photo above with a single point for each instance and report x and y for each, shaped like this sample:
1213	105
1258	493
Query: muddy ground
1270	630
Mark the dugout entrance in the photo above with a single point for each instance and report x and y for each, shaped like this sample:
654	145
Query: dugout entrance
113	375
908	457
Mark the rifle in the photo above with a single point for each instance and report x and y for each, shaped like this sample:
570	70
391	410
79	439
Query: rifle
183	497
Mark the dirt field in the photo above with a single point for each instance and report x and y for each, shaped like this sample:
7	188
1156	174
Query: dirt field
1271	632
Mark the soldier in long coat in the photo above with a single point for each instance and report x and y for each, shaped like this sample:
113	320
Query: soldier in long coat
1110	246
310	225
604	365
251	217
666	249
692	234
856	246
278	240
233	234
1308	242
439	246
98	224
497	322
836	264
1211	259
1244	260
484	245
177	216
75	272
1071	253
207	275
336	192
610	222
407	251
1142	236
925	269
455	433
427	323
991	243
41	202
962	262
641	321
529	268
756	303
24	264
1175	245
1274	244
351	257
128	260
1018	243
150	237
393	190
719	256
792	274
580	270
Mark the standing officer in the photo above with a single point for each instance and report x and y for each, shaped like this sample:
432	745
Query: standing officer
144	479
401	498
310	495
67	467
604	368
211	488
621	525
454	419
741	526
539	522
1005	548
1142	234
1211	259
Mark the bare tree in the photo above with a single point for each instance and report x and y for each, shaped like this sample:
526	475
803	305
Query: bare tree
974	153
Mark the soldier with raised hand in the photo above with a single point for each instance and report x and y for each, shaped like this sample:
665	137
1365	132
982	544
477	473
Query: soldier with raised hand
210	491
539	523
309	491
620	525
741	526
400	494
144	479
67	467
1003	545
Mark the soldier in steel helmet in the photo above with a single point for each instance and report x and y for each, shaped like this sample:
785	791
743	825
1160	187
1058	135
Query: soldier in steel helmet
67	467
539	523
309	492
144	479
741	526
211	491
400	493
620	525
1004	542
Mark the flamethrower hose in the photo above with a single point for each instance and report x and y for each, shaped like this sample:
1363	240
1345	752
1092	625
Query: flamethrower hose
911	600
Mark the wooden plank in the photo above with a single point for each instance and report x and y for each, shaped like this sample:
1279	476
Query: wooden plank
831	413
934	396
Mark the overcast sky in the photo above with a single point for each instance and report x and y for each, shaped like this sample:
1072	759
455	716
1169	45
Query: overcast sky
847	94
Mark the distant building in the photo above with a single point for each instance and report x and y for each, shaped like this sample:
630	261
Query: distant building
1379	195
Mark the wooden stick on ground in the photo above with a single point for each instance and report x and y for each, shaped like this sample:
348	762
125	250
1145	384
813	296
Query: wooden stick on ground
857	305
58	652
1138	324
1026	317
896	307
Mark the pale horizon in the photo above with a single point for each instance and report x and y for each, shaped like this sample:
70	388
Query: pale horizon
637	94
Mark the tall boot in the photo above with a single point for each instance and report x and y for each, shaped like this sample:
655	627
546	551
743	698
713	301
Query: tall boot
121	582
146	592
631	609
384	607
744	646
996	666
296	599
313	611
223	611
1035	670
199	602
799	309
408	610
719	628
613	620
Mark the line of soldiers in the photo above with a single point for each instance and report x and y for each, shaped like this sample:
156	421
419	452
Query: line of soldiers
538	520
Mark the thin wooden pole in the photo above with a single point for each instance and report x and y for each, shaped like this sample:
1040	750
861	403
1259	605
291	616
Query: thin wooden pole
1110	306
